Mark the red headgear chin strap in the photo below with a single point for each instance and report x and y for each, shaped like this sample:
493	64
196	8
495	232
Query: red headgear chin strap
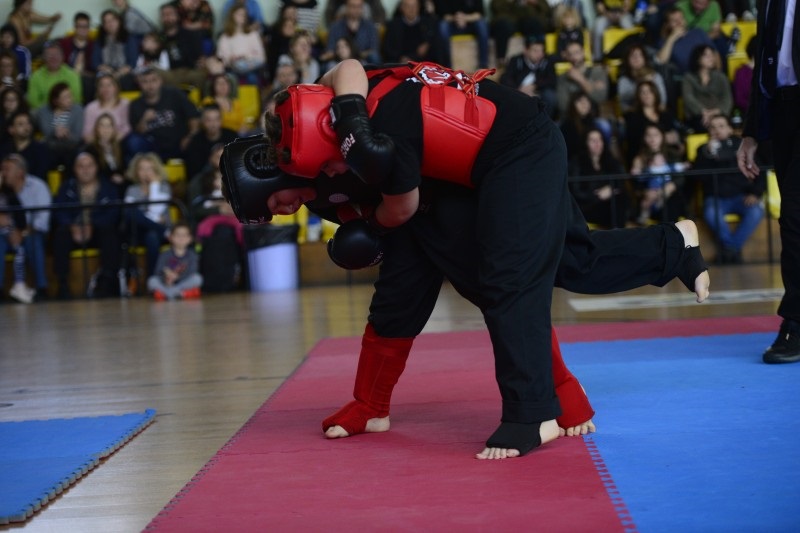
306	130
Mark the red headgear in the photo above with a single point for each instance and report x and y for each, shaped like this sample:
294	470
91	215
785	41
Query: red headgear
306	130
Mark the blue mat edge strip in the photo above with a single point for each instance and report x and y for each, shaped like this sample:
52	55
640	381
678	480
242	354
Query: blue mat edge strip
148	416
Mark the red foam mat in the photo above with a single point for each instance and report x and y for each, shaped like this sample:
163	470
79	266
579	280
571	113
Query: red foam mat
279	473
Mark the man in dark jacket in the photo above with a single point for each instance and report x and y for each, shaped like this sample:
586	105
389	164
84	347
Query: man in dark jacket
533	73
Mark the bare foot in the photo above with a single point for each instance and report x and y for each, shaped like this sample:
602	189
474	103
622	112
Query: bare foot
691	238
374	425
581	429
548	431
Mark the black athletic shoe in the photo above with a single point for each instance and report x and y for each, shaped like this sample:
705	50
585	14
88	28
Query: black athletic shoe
786	348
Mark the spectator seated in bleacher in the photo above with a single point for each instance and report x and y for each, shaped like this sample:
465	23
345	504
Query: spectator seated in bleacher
152	53
108	101
706	90
569	30
301	56
596	198
459	17
363	30
90	227
53	71
223	92
198	16
162	118
728	193
12	227
743	80
412	34
636	67
61	125
148	222
590	79
107	149
31	191
582	116
678	40
610	14
9	42
533	73
24	18
240	47
78	50
211	132
660	195
254	14
528	17
11	101
177	272
277	37
22	141
185	50
648	109
116	51
136	23
706	15
336	9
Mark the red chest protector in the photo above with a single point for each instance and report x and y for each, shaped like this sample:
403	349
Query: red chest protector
455	120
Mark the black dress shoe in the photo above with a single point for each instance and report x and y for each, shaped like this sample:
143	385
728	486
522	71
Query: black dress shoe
786	348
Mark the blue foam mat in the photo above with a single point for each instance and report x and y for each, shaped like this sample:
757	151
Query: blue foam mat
695	434
39	459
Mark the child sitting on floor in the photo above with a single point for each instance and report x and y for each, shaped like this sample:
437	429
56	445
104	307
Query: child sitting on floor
177	270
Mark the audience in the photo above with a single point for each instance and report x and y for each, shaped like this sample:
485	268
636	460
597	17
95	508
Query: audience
21	141
678	40
24	18
240	47
211	132
12	227
729	192
603	203
610	14
177	271
90	227
411	35
222	91
148	222
116	51
457	17
162	119
134	21
533	73
61	124
31	191
660	195
580	77
648	109
636	67
110	102
11	101
569	30
151	53
52	71
300	54
581	116
78	50
184	47
743	79
362	30
706	89
9	42
107	149
528	17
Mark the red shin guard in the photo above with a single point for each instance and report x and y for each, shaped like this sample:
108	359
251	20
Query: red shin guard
380	364
575	406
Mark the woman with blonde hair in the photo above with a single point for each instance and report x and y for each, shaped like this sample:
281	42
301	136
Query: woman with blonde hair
108	100
149	222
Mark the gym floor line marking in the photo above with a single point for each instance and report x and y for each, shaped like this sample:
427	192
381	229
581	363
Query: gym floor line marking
607	303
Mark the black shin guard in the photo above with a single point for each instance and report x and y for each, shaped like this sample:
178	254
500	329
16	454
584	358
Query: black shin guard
512	435
692	266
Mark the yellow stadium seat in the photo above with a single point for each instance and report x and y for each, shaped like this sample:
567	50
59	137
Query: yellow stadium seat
773	195
736	60
613	36
130	95
693	142
747	29
250	98
54	179
176	170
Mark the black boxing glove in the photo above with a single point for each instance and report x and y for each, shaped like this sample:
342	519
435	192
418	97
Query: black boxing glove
370	155
248	179
355	245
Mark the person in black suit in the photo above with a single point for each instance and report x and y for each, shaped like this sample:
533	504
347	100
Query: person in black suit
774	113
